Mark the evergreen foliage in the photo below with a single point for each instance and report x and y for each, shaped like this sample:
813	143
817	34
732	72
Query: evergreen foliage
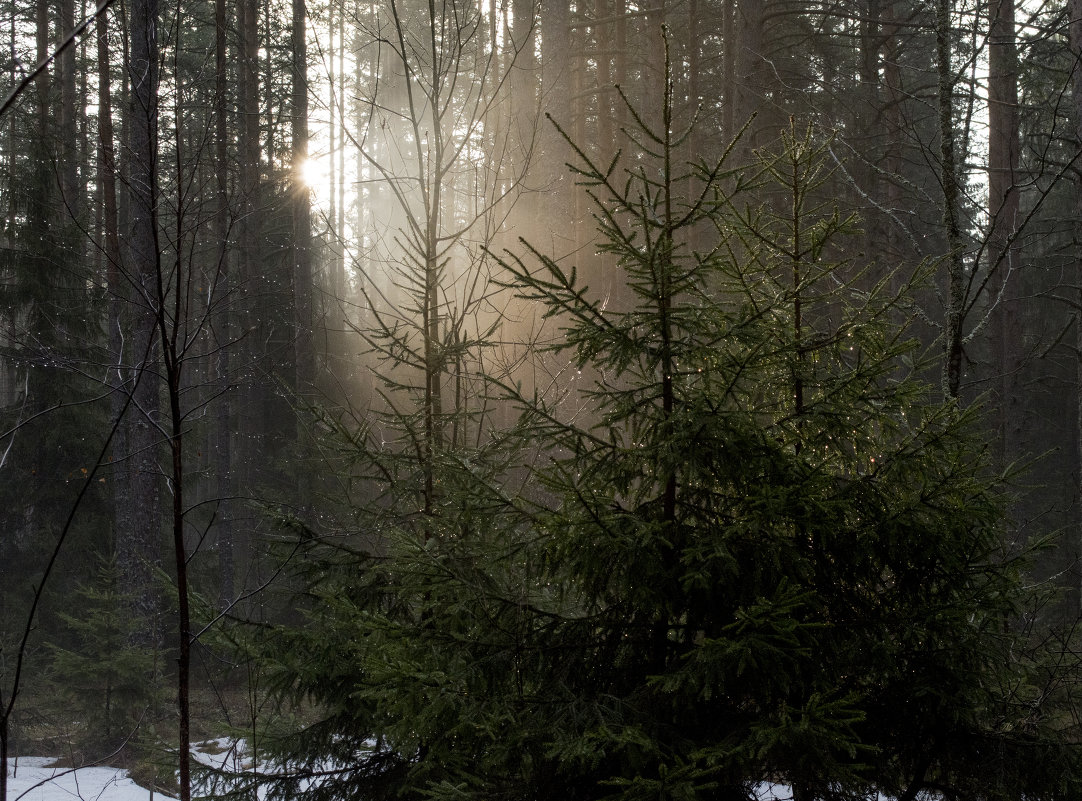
102	676
769	554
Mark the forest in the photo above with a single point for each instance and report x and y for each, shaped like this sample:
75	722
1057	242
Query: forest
543	400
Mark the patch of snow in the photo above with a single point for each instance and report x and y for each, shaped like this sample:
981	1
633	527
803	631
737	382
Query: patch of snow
36	779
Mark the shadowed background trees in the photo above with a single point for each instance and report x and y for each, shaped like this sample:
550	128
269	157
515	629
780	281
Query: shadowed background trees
268	230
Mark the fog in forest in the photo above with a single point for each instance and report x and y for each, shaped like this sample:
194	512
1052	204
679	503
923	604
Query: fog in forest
572	399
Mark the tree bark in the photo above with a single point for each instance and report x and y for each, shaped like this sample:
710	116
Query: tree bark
139	547
302	219
1075	39
952	365
1003	199
250	429
747	72
223	452
70	109
558	206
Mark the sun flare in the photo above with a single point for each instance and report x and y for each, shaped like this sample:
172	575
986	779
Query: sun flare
314	173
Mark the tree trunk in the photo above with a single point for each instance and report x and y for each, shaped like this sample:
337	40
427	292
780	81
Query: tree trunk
302	219
250	429
558	205
340	185
1003	197
1075	38
42	83
115	281
523	82
70	108
952	365
223	455
747	72
867	115
139	547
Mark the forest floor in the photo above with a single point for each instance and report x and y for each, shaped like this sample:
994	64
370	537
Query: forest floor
40	779
35	779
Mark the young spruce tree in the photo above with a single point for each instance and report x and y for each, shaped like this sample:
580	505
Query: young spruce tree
781	556
768	555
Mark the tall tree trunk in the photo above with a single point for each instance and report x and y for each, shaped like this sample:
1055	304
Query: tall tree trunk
558	206
223	454
894	125
868	112
334	234
523	81
606	137
139	547
1075	39
1003	197
117	284
42	83
302	219
360	266
747	73
340	185
249	238
952	335
70	107
728	70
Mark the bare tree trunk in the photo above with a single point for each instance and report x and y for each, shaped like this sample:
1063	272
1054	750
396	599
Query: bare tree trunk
558	205
334	234
360	265
249	236
523	83
867	115
728	70
302	219
70	108
1075	37
747	71
119	290
894	123
41	83
222	458
139	546
952	335
1003	197
340	185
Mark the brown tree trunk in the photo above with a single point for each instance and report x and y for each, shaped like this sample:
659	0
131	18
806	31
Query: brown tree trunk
1075	38
728	70
222	458
117	283
70	108
894	124
868	112
747	72
340	185
1003	197
952	364
523	82
42	83
139	545
302	219
558	205
249	237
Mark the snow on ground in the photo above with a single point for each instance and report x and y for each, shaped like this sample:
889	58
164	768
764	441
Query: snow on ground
34	779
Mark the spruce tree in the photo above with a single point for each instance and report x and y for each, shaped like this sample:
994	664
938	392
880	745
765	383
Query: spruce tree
782	555
757	547
100	676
